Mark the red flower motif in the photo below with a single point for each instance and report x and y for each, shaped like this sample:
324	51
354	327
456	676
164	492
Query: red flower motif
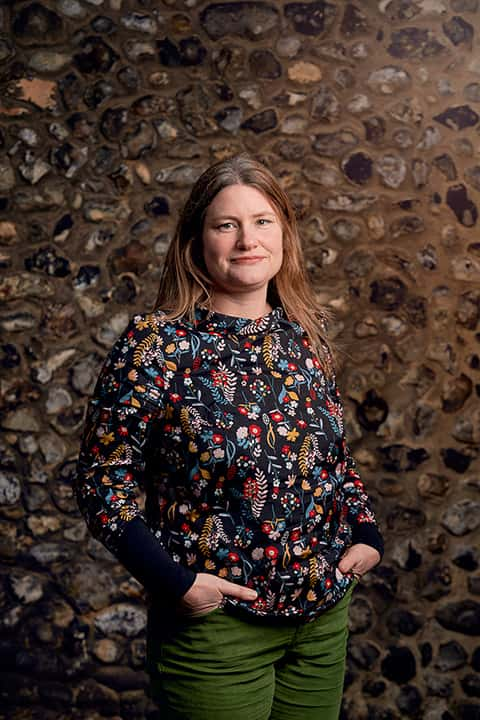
243	410
276	416
324	474
266	527
233	557
250	488
159	381
104	518
285	449
180	333
175	397
271	552
128	477
328	583
292	366
296	566
295	535
217	438
255	430
302	424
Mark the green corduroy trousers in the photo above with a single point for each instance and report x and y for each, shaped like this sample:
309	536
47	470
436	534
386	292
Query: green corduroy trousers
221	667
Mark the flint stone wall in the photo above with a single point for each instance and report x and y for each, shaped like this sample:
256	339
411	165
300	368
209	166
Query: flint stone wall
368	112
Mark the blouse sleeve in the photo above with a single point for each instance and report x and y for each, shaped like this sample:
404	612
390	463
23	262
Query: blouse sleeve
126	402
356	509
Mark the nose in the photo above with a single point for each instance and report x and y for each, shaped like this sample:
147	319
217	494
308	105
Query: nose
246	238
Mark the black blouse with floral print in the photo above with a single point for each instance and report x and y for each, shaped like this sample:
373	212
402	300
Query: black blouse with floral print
218	446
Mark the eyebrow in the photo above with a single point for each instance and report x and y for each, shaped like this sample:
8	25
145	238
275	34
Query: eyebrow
232	217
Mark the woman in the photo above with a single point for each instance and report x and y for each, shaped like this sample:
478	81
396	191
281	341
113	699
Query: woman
220	407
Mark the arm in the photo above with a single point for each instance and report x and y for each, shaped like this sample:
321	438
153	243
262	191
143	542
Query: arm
120	415
367	543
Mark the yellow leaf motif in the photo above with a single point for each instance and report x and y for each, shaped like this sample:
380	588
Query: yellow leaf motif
311	596
127	513
292	435
209	565
170	348
170	365
303	455
134	402
293	395
185	423
271	436
289	380
312	572
306	485
107	438
267	351
142	348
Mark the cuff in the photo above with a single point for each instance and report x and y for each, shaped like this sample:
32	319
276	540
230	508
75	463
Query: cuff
142	554
369	534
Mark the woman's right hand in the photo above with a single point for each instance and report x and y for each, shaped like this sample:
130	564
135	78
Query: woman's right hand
207	593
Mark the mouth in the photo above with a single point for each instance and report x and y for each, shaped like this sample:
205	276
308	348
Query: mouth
249	259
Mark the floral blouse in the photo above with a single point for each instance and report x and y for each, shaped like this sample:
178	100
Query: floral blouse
218	446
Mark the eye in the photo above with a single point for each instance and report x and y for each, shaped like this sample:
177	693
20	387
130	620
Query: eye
225	226
264	221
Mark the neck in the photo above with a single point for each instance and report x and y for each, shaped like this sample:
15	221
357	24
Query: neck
241	305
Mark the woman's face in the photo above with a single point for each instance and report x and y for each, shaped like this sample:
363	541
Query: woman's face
242	239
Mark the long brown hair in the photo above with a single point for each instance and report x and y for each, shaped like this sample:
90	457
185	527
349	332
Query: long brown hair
185	283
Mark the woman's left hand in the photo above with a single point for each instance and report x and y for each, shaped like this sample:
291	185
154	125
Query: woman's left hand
359	559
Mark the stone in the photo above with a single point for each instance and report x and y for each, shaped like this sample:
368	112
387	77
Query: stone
21	419
438	685
261	122
349	202
360	615
414	42
48	61
354	21
106	210
375	129
358	104
312	18
344	78
264	64
18	322
409	701
106	650
466	558
392	170
446	166
346	230
288	46
10	488
471	687
359	264
253	20
27	588
399	665
451	656
406	225
294	125
35	24
401	458
178	175
457	117
471	92
472	176
364	654
466	268
48	552
467	428
24	285
358	168
8	233
461	517
388	293
334	144
139	23
102	698
96	56
455	460
388	80
455	392
230	119
136	51
458	30
404	622
325	105
71	8
461	616
46	260
121	619
432	486
7	176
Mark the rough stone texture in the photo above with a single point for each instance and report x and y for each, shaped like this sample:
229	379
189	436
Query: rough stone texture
369	114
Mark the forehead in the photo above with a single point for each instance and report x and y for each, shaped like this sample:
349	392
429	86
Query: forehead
242	198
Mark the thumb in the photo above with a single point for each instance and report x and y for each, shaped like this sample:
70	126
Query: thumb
238	591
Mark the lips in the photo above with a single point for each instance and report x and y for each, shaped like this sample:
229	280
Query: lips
248	259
